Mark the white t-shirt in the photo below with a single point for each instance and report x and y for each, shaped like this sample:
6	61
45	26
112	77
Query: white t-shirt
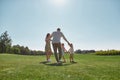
57	36
71	50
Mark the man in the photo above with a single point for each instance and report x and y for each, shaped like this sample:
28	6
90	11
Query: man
56	42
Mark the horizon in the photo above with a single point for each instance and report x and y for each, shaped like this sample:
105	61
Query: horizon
89	25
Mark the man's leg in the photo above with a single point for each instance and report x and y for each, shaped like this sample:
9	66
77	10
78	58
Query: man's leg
55	51
60	51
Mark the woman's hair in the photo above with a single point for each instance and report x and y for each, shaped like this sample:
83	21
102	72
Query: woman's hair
47	35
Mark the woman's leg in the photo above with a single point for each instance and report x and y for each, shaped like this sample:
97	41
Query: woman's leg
47	56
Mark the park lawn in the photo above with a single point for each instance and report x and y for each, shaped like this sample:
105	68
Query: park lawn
88	67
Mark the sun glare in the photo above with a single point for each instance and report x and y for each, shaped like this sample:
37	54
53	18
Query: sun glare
58	3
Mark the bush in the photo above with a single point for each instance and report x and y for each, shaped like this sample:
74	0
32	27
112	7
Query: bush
108	52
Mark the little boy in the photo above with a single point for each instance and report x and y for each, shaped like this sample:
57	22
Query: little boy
63	50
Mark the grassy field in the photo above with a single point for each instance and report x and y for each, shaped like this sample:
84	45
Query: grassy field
88	67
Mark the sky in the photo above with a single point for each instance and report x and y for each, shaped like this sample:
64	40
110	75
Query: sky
88	24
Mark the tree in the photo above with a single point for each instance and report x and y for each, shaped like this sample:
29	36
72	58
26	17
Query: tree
5	41
16	49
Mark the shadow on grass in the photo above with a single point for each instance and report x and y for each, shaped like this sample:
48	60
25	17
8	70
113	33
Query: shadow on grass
55	64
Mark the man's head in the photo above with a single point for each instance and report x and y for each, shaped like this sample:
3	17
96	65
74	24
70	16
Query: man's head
58	29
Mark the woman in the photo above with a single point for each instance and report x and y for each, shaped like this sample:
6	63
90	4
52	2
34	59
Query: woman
48	51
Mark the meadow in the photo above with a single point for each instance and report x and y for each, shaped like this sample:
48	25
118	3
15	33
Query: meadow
88	67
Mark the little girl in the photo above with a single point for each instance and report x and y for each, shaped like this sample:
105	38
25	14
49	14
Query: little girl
71	51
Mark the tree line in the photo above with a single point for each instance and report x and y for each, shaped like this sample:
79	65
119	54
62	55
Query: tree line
6	46
79	51
100	52
108	52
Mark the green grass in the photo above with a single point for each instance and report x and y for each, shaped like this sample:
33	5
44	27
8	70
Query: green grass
88	67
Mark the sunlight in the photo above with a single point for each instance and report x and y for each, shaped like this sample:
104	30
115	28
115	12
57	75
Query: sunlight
58	3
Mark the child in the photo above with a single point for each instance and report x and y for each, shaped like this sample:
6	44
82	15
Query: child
71	51
48	50
63	50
